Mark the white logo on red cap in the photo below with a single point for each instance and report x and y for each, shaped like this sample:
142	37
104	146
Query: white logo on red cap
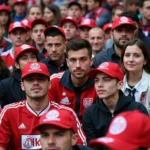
124	20
69	17
86	21
35	66
24	46
106	139
104	65
52	115
118	125
25	22
17	24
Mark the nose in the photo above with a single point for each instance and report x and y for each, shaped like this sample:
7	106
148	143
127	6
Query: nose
95	40
78	64
100	83
51	140
131	58
53	48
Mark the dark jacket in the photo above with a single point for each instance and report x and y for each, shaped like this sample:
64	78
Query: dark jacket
81	147
97	118
10	90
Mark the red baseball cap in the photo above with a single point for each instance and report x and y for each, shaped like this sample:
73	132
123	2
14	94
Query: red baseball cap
19	1
39	21
35	68
61	117
128	131
107	26
69	19
88	23
15	25
24	48
123	21
27	23
54	27
4	7
109	68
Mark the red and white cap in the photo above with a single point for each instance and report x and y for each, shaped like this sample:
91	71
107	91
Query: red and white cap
109	68
88	23
24	48
69	19
27	23
123	21
15	25
39	21
54	27
35	68
19	1
4	7
107	26
61	117
128	131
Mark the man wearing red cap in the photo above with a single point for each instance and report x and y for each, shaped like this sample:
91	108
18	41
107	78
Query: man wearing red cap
122	31
108	82
17	34
128	131
18	132
58	130
70	26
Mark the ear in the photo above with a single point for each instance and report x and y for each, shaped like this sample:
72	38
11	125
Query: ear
17	65
120	84
74	139
67	61
49	84
91	62
22	86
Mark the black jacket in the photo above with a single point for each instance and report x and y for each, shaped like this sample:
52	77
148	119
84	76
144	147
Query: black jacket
10	90
97	118
81	147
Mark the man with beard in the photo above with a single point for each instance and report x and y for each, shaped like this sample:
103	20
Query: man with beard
122	31
17	120
73	88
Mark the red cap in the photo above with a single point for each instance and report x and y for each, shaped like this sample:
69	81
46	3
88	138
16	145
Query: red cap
61	117
123	21
69	19
39	21
4	7
15	25
35	68
88	23
109	68
54	27
26	23
128	131
107	26
24	48
19	1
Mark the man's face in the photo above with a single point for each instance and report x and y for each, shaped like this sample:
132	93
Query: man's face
91	5
35	86
55	46
4	17
122	34
146	10
106	86
79	63
20	8
74	11
35	13
70	30
24	59
111	2
56	138
38	34
2	31
84	32
97	40
18	36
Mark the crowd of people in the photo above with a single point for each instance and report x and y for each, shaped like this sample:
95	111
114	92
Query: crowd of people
74	74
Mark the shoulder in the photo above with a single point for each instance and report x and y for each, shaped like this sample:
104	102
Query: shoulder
56	76
82	147
5	53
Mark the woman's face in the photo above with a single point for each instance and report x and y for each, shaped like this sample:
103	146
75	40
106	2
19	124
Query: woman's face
133	59
63	11
48	15
4	17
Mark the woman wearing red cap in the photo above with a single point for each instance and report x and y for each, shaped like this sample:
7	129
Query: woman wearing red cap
135	60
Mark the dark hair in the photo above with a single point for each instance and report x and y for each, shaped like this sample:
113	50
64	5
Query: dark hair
117	8
131	14
77	44
131	2
2	64
56	11
54	33
139	43
74	3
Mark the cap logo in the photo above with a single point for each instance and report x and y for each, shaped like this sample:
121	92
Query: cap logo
86	21
118	125
106	139
104	65
124	20
25	21
69	17
52	115
25	47
17	24
35	66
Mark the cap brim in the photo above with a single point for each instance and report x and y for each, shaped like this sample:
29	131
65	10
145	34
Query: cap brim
27	74
24	28
132	26
86	25
112	143
67	20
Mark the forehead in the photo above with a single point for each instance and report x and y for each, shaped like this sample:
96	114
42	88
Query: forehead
35	9
74	7
51	39
67	23
39	26
133	48
96	33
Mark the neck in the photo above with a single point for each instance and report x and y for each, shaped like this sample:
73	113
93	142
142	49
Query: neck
38	105
39	47
78	82
145	21
60	62
117	50
134	77
29	42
